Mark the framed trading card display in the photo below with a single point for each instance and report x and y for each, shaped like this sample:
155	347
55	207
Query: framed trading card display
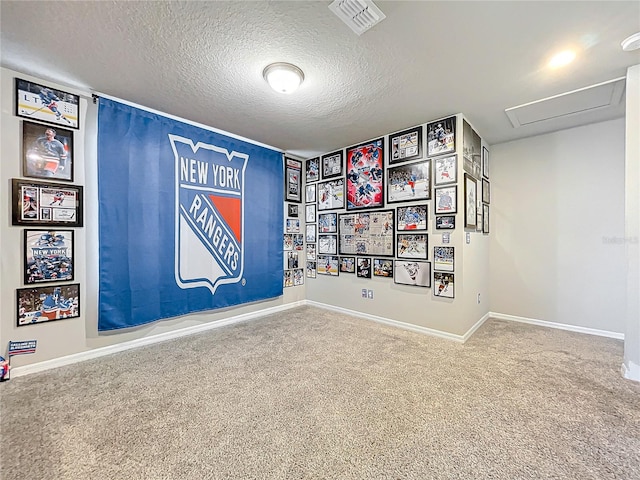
327	244
48	256
46	304
363	267
367	233
347	264
331	194
328	265
441	136
310	193
445	170
45	104
485	218
470	199
443	258
471	151
445	222
293	180
412	245
411	272
292	225
413	218
446	199
383	267
443	285
332	165
46	204
47	152
406	145
310	213
312	169
328	223
365	175
409	182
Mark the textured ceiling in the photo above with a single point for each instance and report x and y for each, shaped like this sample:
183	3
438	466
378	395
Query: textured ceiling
203	61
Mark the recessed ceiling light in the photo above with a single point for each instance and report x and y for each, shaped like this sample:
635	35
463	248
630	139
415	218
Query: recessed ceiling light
283	77
561	59
631	43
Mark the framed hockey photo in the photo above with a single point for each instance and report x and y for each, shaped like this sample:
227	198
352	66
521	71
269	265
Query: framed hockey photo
365	175
446	199
363	267
409	182
298	241
310	193
406	145
46	204
443	285
383	267
328	265
311	269
445	170
445	222
45	104
287	242
411	272
47	304
312	169
310	232
287	278
47	152
470	200
443	258
486	191
485	218
485	163
328	223
412	245
310	213
331	194
292	210
441	136
347	264
293	180
292	260
471	151
332	165
412	218
328	244
48	256
311	251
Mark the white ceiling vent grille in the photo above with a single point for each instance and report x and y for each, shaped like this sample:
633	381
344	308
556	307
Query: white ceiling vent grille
359	15
583	100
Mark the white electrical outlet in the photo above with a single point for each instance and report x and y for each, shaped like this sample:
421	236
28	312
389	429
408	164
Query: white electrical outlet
370	294
364	293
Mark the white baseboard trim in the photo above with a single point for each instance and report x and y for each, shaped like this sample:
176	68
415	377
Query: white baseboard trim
631	371
161	337
403	325
560	326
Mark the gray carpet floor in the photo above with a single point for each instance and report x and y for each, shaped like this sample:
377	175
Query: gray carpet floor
312	394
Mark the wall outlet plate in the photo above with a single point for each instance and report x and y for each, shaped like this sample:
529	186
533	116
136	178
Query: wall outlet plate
370	294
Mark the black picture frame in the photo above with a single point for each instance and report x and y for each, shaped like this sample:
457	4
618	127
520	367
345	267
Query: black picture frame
46	204
441	136
486	191
383	267
443	258
412	272
470	201
413	246
311	269
293	180
35	101
47	152
405	145
292	210
328	265
363	267
446	199
445	170
485	218
348	264
365	175
41	304
327	244
312	169
331	194
471	151
310	234
409	182
485	163
367	233
412	218
445	222
310	193
48	256
310	213
332	165
328	222
443	284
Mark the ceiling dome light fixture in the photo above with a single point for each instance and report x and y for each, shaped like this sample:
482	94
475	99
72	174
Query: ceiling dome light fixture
561	59
631	43
283	77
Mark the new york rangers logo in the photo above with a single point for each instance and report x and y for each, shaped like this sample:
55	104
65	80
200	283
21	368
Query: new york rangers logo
209	214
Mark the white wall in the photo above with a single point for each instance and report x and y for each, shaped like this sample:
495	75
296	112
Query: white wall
69	336
557	217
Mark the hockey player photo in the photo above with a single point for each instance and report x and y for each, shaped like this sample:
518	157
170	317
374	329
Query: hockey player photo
312	170
443	258
445	170
412	218
365	179
406	145
441	136
331	195
47	152
410	272
443	285
46	104
412	246
363	269
409	182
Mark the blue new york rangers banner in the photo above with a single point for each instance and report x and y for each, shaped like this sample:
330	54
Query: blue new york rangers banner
190	219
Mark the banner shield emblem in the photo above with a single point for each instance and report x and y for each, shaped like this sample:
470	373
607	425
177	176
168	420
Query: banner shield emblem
209	207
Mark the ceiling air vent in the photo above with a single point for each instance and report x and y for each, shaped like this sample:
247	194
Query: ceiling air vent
359	15
583	100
